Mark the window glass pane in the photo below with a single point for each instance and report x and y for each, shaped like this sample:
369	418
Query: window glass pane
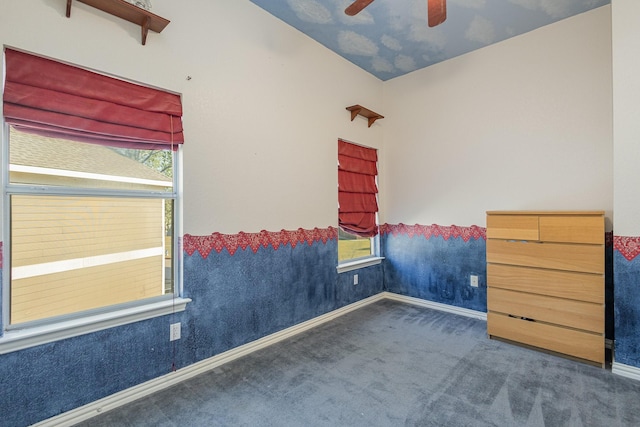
168	247
351	246
39	160
70	254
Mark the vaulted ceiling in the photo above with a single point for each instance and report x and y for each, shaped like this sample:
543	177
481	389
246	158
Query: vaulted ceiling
390	38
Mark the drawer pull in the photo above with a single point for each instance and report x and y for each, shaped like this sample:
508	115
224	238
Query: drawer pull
521	318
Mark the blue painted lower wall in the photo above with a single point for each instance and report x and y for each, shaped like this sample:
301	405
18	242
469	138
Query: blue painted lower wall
43	381
627	309
436	267
256	289
236	299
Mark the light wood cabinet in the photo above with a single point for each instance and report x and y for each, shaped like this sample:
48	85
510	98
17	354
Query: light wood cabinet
545	280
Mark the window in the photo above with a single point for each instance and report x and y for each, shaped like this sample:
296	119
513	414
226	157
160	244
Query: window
91	199
358	203
90	226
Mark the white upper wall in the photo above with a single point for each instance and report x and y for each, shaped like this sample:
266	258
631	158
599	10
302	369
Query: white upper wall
263	109
522	124
626	107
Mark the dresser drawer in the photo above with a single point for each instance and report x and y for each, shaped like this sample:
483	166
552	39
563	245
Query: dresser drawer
516	227
583	345
574	229
574	314
557	256
563	284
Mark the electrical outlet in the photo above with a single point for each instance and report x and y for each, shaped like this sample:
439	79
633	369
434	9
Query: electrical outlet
474	281
174	331
355	279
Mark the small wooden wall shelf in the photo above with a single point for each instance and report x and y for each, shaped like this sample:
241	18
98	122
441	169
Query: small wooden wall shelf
364	112
127	11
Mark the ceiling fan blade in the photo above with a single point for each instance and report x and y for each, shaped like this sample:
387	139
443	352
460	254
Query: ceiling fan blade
357	6
437	12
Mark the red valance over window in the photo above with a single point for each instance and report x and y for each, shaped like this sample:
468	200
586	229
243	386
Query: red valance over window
62	101
357	189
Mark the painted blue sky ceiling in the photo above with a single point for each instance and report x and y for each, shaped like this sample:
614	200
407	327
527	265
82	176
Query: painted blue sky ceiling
391	37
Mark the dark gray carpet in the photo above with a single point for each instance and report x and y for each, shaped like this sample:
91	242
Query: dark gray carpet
392	364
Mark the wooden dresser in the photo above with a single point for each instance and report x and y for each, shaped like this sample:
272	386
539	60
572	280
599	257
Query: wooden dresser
545	280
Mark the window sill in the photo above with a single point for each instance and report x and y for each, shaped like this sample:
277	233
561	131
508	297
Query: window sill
14	340
360	263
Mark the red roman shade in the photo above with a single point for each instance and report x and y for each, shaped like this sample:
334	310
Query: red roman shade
357	189
62	101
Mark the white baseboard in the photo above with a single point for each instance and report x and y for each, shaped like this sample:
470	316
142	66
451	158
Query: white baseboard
436	306
116	400
625	371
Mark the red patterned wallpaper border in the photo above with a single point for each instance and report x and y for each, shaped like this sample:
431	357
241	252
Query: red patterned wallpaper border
231	242
428	231
629	247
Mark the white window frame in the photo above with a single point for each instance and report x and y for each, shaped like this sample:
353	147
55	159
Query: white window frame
357	263
373	259
18	337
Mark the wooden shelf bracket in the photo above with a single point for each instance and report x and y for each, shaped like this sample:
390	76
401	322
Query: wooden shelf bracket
364	112
145	29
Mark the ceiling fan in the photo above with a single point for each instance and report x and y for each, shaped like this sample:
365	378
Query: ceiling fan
437	10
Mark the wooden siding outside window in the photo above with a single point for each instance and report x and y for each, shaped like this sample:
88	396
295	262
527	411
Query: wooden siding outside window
72	254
